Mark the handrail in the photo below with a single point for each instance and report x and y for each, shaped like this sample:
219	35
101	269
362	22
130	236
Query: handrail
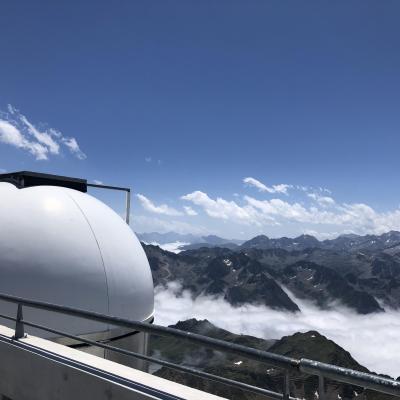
216	344
288	364
350	376
188	370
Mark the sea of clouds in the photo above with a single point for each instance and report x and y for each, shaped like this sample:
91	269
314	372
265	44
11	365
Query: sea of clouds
371	339
174	247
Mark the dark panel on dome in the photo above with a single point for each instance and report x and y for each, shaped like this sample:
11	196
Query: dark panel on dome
24	179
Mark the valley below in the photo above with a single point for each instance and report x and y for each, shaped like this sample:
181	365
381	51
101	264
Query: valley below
347	290
309	344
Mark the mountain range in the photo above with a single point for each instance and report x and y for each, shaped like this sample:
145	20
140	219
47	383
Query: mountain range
359	272
348	242
189	239
310	345
345	243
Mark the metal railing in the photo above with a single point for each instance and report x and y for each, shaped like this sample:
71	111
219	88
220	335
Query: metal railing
287	364
124	189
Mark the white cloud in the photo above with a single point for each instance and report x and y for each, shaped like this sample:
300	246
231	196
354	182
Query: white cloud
16	130
74	148
322	214
302	188
223	209
97	182
312	189
361	335
147	159
190	211
281	188
323	235
44	138
163	209
174	247
10	135
142	223
279	208
321	189
324	201
363	218
358	217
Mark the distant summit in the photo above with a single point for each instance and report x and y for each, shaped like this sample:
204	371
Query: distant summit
187	241
298	243
345	242
348	242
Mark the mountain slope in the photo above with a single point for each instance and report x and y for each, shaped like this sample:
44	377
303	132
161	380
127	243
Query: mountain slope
343	243
310	345
315	282
256	276
233	276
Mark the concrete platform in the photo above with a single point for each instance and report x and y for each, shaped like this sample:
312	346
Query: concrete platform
37	369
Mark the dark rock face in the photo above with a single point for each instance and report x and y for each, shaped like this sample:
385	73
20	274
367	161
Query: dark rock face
366	281
299	243
324	285
343	243
311	345
314	346
220	272
217	269
263	288
359	272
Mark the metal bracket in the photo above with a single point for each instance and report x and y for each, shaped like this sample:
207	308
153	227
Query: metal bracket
286	386
128	197
19	325
321	387
128	206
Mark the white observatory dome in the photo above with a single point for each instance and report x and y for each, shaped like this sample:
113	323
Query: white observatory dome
65	247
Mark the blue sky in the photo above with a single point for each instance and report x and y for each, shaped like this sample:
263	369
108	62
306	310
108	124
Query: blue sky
183	100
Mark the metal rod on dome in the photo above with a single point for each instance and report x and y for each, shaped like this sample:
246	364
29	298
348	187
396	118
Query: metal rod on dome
128	206
128	196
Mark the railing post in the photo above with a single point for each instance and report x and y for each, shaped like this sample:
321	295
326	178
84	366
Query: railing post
321	387
19	325
286	386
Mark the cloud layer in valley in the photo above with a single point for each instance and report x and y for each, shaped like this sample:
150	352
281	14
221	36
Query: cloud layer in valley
141	223
17	131
371	339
